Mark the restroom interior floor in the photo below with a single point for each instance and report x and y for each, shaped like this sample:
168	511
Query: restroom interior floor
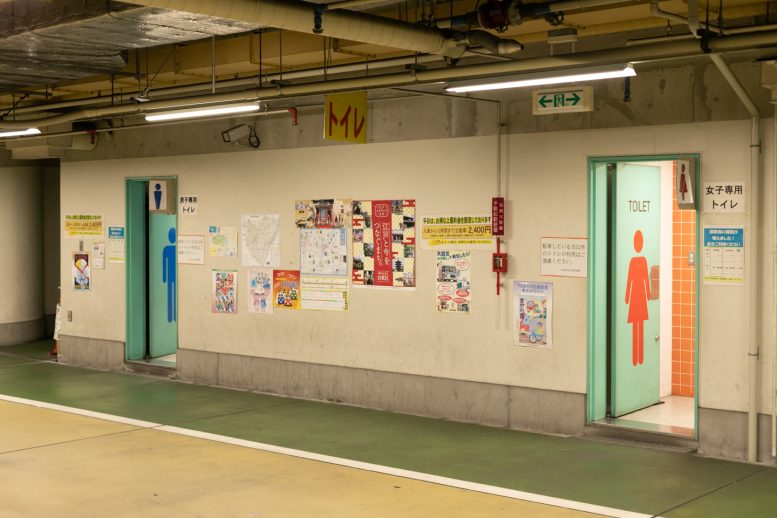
629	478
672	412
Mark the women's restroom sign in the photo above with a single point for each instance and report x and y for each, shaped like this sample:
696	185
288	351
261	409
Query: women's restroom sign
160	196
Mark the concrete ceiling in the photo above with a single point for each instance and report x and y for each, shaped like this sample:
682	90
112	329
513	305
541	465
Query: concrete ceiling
135	50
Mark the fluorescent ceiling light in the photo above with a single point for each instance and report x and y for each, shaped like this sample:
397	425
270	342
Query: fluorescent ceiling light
20	133
559	77
193	113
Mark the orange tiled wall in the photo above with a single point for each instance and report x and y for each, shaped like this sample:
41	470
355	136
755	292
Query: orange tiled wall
683	300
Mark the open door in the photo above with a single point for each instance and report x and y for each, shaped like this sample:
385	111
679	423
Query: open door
152	276
634	309
162	285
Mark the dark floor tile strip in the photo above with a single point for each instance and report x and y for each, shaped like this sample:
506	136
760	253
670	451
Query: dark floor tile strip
80	439
708	493
239	411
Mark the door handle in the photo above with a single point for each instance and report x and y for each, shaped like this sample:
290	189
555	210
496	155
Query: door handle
657	338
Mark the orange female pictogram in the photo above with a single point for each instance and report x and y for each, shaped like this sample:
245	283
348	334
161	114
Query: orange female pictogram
637	296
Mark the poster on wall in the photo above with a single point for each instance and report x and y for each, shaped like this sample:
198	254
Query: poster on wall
471	231
724	255
83	226
82	274
286	289
260	238
384	243
260	299
564	256
191	249
533	309
323	251
98	255
324	293
116	253
453	282
222	241
224	291
323	213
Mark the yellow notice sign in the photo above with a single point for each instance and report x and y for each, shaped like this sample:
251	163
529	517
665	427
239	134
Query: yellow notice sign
346	117
83	225
472	231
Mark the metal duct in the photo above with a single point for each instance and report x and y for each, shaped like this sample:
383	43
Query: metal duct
298	16
671	50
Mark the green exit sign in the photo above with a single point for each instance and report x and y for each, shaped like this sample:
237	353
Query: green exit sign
563	100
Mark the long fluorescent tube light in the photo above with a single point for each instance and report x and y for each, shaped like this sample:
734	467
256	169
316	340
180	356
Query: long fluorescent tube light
20	133
193	113
561	77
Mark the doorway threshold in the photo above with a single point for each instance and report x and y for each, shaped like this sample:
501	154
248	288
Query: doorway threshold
164	366
656	428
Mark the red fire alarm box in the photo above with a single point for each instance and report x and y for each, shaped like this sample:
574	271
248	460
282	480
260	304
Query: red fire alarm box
499	262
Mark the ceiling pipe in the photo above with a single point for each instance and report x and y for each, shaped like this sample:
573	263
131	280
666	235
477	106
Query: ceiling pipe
642	53
299	16
692	21
500	14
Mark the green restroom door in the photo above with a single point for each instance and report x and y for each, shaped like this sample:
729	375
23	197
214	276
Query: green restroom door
636	205
162	285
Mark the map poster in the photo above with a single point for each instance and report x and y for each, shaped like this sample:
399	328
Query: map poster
224	291
260	240
323	251
82	274
325	293
222	241
260	298
384	243
453	282
286	289
533	309
324	213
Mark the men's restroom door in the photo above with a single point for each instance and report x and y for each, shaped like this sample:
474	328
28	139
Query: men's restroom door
634	314
162	278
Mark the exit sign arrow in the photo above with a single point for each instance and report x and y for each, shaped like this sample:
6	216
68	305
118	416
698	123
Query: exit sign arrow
562	100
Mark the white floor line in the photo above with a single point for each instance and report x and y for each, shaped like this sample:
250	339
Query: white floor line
376	468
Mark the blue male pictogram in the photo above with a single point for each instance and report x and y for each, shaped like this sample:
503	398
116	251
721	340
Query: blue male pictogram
169	261
157	195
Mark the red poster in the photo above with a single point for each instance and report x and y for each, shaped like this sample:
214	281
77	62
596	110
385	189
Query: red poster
381	231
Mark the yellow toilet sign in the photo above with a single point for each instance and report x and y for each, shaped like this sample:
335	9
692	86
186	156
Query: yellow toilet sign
346	117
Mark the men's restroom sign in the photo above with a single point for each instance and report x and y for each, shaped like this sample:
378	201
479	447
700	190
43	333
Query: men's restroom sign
160	198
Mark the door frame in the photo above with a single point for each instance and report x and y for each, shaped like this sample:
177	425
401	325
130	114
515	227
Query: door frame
131	337
598	310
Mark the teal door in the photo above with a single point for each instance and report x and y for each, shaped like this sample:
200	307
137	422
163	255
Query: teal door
635	245
137	272
162	285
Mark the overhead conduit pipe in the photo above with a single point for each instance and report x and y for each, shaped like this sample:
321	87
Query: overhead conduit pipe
671	50
298	16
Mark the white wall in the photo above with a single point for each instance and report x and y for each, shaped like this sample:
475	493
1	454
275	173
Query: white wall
20	254
545	180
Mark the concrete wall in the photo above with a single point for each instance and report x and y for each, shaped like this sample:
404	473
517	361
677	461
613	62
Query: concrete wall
21	309
401	331
442	153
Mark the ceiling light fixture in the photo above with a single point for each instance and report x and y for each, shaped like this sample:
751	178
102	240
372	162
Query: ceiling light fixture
209	111
20	133
538	79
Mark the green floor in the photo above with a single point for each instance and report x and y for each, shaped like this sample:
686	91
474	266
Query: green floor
633	478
